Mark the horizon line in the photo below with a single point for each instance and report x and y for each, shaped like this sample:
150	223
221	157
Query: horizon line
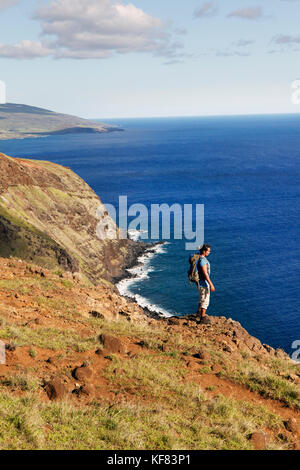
196	116
165	116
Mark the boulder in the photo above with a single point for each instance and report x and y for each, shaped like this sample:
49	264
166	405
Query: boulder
83	374
269	349
96	314
227	347
280	354
217	368
203	355
294	377
258	440
112	344
291	425
174	321
87	390
55	389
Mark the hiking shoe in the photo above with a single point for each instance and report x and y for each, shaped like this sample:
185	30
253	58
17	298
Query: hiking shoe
205	320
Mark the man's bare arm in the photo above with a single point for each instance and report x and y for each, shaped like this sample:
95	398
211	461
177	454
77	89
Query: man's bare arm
205	273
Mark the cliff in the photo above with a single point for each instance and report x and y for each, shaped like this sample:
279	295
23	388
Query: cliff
48	215
19	121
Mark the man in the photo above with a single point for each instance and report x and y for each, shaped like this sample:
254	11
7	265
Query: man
205	285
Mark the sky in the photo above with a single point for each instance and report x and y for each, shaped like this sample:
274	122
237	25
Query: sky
151	58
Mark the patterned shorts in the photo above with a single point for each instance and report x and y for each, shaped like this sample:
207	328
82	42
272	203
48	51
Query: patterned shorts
204	296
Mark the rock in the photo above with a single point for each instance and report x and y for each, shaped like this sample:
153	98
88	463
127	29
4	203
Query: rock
192	317
112	344
83	373
77	277
281	354
227	348
216	368
203	355
295	445
143	344
124	314
87	390
96	314
269	349
55	389
294	377
291	425
253	344
258	440
174	321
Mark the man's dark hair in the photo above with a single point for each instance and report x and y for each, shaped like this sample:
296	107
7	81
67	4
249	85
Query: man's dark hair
204	248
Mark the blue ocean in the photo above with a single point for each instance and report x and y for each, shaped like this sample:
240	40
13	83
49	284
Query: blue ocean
245	170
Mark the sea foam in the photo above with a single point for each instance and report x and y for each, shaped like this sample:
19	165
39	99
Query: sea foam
139	273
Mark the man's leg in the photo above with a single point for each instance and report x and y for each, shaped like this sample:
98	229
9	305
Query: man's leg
199	304
204	301
201	311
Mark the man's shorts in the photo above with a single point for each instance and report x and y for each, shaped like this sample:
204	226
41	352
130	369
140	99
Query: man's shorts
204	296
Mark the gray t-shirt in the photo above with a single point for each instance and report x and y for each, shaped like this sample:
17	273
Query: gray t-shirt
202	262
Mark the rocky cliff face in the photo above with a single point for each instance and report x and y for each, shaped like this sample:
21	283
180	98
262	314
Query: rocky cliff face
49	215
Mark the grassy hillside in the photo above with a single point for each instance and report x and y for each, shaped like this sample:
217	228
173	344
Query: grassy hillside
86	369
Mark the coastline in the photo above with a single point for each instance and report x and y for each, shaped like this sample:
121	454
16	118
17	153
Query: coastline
135	270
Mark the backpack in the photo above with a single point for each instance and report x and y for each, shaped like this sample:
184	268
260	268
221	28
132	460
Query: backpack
193	274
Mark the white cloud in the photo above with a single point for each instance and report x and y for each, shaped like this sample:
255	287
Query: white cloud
285	39
95	29
251	13
244	43
99	28
207	9
7	3
24	50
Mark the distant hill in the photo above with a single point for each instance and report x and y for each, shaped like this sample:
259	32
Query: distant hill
19	121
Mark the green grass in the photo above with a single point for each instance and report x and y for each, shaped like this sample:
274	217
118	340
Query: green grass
25	286
147	375
66	283
32	353
58	306
50	338
26	423
155	336
23	382
266	383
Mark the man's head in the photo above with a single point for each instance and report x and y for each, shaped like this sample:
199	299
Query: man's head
205	249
